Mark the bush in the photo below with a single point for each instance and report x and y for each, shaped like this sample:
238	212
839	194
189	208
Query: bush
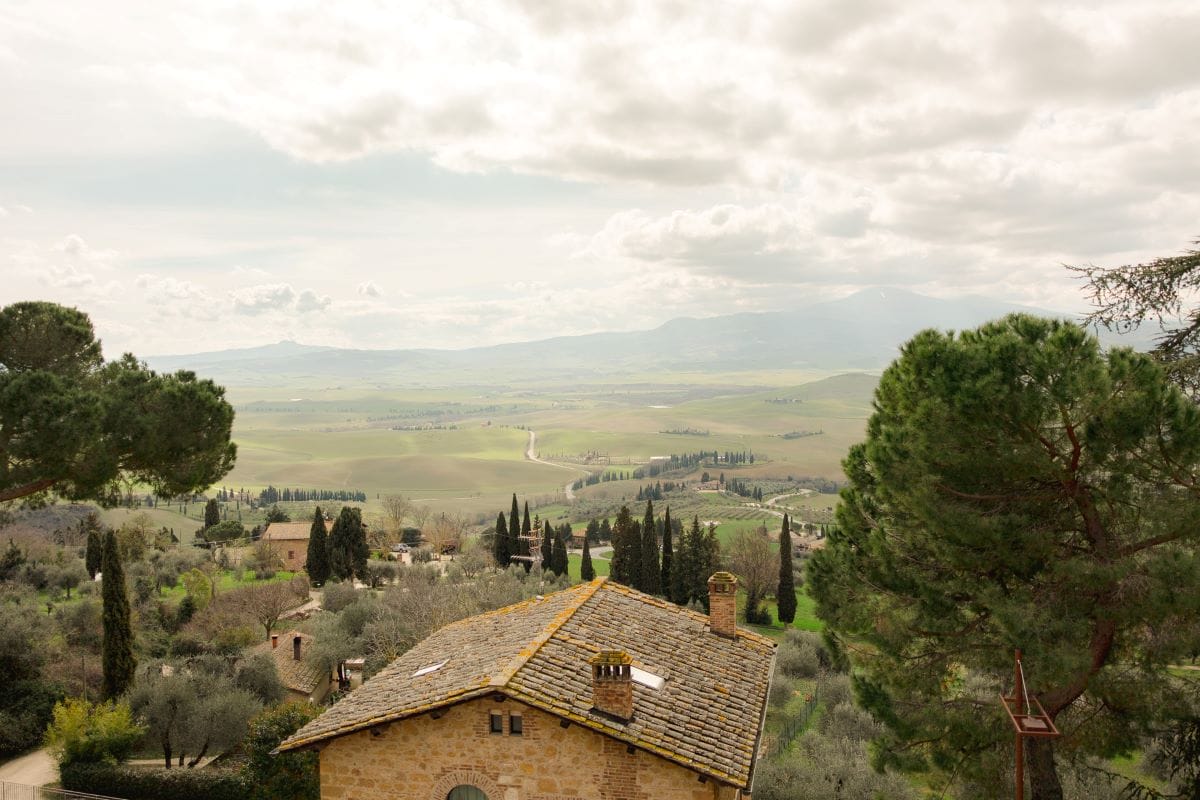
783	689
848	721
153	784
81	732
338	595
287	776
833	690
797	659
820	768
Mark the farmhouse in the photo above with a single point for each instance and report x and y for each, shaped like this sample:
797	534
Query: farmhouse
289	541
598	691
302	682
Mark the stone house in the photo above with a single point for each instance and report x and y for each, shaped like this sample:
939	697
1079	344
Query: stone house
597	692
302	681
289	541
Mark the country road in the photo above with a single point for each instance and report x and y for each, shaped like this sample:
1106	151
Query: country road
531	455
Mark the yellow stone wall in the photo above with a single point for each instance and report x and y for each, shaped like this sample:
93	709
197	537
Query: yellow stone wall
424	758
296	548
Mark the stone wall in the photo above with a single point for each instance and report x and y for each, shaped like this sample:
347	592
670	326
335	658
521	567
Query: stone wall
424	758
292	553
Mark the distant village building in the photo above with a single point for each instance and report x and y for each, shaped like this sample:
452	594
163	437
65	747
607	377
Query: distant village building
302	681
289	541
598	691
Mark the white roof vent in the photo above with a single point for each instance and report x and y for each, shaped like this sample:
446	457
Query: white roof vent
648	679
430	668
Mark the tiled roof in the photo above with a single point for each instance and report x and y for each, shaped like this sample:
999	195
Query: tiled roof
294	674
281	531
707	716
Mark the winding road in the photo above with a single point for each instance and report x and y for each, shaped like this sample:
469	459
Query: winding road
531	455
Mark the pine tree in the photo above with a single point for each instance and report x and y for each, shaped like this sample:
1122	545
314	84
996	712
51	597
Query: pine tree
94	553
547	547
785	596
648	565
117	649
317	563
622	568
668	556
586	571
212	513
500	542
514	529
558	561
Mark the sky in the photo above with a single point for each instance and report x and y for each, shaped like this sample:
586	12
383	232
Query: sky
201	176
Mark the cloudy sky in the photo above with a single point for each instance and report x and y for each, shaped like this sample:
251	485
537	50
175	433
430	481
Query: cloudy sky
208	175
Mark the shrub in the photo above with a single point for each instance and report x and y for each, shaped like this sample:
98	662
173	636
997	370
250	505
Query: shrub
820	768
81	732
833	690
797	659
153	784
848	721
287	776
783	689
338	595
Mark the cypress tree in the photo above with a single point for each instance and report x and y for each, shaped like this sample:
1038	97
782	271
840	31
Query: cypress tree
605	530
94	552
785	597
212	513
621	568
558	560
118	660
649	568
500	550
682	566
668	556
317	563
586	571
547	547
708	562
514	529
347	546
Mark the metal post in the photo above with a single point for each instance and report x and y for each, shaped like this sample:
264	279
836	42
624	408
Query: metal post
1018	693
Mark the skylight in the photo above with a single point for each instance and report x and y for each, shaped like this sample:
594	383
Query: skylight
430	668
647	679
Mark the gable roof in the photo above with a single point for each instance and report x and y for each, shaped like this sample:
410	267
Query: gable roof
287	531
707	716
293	674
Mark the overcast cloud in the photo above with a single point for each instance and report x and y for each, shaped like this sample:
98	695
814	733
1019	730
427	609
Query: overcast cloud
207	175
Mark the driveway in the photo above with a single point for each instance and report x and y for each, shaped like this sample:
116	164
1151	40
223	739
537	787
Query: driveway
32	769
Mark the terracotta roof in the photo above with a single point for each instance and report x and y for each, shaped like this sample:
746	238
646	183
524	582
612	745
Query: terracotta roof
295	675
281	531
707	715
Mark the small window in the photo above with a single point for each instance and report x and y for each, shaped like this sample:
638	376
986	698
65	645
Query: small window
515	727
497	723
291	554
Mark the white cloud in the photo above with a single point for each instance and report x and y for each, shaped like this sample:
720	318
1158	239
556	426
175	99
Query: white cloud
262	298
308	300
369	289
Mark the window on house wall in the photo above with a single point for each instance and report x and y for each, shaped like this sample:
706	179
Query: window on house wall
497	723
291	554
465	792
515	726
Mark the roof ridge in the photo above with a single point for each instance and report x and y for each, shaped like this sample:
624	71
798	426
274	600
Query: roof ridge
659	602
522	658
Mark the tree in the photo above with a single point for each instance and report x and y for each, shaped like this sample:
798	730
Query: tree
1129	296
668	555
524	540
683	565
86	733
347	546
266	603
586	571
396	509
593	530
317	562
81	428
558	558
514	530
117	650
547	546
92	555
1017	489
227	531
274	514
648	565
212	513
605	530
165	701
500	542
284	776
785	595
751	559
706	561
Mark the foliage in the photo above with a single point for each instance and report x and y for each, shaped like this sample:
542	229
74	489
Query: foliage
649	568
286	776
149	784
227	531
93	552
558	556
83	732
117	649
212	513
668	555
258	675
317	563
586	571
83	428
785	593
626	542
277	514
26	708
825	768
1017	488
347	546
199	587
751	559
500	541
338	595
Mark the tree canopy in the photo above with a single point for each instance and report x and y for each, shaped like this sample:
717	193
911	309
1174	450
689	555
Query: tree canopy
1017	488
72	424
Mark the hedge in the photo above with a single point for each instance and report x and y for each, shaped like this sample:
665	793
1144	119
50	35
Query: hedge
155	784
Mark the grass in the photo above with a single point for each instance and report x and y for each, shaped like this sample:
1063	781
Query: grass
574	561
806	618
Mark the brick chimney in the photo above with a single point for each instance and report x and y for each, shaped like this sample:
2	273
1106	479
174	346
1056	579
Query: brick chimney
612	684
296	647
722	604
274	640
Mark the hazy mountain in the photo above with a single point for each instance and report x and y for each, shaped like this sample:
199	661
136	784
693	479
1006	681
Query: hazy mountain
862	331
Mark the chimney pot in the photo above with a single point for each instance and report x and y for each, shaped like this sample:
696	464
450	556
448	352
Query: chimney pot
296	647
722	604
612	684
274	640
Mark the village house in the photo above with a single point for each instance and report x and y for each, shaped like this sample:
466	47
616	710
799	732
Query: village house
302	682
598	691
289	542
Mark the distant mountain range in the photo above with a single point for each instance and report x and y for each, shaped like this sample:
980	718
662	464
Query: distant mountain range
861	332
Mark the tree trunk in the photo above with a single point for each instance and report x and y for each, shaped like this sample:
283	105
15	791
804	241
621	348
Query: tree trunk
204	750
166	746
1042	772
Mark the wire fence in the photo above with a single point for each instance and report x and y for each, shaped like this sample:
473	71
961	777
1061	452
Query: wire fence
21	791
792	727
